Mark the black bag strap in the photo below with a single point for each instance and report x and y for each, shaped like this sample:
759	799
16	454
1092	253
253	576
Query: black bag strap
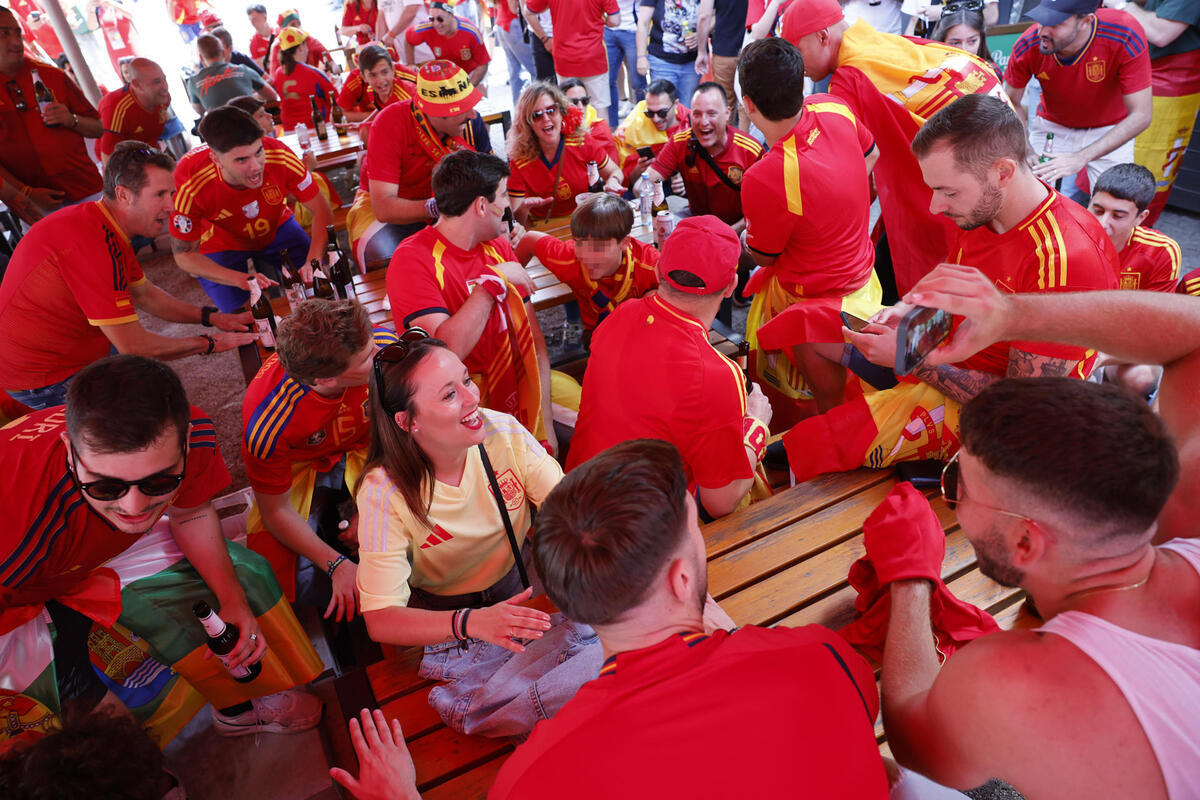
694	143
508	528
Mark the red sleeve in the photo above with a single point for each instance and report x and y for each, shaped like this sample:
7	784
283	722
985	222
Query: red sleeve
351	91
517	185
206	473
412	286
714	450
667	160
1019	69
537	6
768	222
413	37
348	15
594	148
387	149
866	140
102	294
479	53
558	257
611	7
1135	69
300	183
108	139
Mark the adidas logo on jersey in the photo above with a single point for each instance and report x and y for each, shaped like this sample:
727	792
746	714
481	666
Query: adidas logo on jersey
222	214
437	536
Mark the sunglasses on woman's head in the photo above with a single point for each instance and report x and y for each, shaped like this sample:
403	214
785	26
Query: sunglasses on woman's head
963	5
394	353
553	111
108	489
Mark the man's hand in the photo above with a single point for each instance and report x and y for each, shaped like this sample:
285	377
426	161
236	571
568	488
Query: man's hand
516	234
228	341
58	114
614	186
702	62
386	769
238	323
503	623
515	274
49	199
1062	165
877	342
677	187
643	65
251	644
264	281
24	208
344	603
758	406
306	272
967	292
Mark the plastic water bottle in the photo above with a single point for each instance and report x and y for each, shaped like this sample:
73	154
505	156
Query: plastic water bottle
645	194
302	136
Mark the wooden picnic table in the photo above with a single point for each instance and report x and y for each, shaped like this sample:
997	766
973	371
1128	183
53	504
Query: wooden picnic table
782	561
335	151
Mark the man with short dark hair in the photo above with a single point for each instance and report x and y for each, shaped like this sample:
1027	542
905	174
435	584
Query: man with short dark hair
42	147
72	291
452	38
1057	485
231	205
682	390
1121	200
711	156
1093	67
459	279
1021	234
130	464
650	124
305	426
218	81
138	111
263	36
231	55
618	544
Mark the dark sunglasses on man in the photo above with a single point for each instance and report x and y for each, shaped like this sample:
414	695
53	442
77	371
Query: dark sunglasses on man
660	113
109	489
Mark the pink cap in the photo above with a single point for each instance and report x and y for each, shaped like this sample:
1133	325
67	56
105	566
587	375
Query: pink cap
809	16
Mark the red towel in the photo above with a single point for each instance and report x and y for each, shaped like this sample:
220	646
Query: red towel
904	539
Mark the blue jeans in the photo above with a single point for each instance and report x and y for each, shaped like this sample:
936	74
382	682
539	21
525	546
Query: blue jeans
290	237
682	75
519	54
622	46
53	395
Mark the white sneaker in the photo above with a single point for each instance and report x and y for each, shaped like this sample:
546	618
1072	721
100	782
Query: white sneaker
292	711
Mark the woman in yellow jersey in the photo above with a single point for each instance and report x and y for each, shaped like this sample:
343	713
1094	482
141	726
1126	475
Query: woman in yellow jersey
437	565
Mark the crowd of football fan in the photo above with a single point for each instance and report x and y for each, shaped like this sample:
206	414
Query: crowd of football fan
396	467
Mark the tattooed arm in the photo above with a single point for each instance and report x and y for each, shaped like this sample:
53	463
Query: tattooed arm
1023	364
963	384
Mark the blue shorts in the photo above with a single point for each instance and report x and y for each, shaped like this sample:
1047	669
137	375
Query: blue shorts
290	237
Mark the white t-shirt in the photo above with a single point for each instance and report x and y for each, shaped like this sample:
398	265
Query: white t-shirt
391	10
882	15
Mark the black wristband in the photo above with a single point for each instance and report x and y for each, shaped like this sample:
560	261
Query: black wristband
205	313
463	624
212	344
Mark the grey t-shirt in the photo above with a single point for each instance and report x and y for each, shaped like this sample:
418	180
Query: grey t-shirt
217	84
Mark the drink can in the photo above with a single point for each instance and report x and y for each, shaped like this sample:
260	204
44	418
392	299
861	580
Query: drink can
664	223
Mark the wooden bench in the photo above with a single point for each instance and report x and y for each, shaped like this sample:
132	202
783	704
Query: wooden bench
782	561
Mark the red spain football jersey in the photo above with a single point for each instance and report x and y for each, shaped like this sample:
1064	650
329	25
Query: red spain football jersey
579	50
464	48
1086	90
54	157
220	217
296	92
429	274
51	539
706	192
653	374
355	14
317	54
534	177
69	276
398	156
286	423
260	45
1150	261
1059	247
356	95
808	202
124	118
597	299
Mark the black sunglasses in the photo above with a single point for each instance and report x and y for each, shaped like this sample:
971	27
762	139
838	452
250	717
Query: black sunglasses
393	354
18	97
107	489
544	112
579	101
660	113
963	5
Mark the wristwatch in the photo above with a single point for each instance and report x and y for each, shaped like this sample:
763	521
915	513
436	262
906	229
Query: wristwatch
205	313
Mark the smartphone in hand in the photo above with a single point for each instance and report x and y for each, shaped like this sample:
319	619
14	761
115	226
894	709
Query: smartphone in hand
920	332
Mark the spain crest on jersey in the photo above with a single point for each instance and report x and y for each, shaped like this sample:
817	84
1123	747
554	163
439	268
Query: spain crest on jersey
465	54
272	195
735	173
1131	280
512	489
1094	71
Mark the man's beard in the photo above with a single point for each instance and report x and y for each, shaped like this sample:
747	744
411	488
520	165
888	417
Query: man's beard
995	563
985	210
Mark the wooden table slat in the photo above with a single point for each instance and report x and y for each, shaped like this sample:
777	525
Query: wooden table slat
416	716
444	754
473	785
396	675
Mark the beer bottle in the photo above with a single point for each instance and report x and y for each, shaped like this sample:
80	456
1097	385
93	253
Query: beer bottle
43	96
1047	152
318	119
593	175
339	266
260	309
293	287
339	122
322	287
660	198
222	638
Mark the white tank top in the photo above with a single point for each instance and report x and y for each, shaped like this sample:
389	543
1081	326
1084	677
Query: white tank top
1160	680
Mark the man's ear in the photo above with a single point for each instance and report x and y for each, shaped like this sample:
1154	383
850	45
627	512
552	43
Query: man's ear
1141	217
749	104
1031	544
679	581
1006	170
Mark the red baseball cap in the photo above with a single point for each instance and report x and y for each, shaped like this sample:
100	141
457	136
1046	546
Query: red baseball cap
809	16
444	90
706	248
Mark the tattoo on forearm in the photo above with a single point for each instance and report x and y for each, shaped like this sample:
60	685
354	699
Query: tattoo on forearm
179	246
955	382
192	518
1022	364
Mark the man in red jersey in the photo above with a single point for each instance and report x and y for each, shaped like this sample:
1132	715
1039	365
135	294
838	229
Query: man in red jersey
43	148
305	428
97	478
579	50
459	280
395	197
264	34
653	373
1121	201
71	293
1019	232
451	38
138	111
892	84
1094	69
231	205
711	155
807	206
317	56
650	124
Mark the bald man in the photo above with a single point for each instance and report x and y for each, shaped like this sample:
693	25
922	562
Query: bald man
138	111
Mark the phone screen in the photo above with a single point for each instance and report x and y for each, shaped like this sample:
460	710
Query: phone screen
920	332
646	152
854	323
508	217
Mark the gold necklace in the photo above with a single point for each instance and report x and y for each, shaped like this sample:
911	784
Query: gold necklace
1100	589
